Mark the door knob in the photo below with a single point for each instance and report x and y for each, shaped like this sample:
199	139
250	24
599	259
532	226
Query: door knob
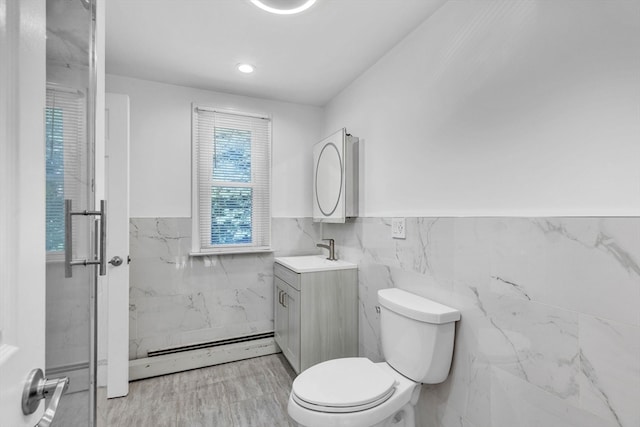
36	388
115	261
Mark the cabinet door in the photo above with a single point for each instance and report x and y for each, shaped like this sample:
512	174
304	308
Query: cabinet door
329	316
281	318
292	299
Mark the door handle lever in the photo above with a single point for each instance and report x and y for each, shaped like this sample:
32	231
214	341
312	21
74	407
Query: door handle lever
36	388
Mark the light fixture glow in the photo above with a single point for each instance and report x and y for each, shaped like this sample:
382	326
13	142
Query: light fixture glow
296	7
246	68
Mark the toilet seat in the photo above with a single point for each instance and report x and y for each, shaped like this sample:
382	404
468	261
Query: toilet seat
343	385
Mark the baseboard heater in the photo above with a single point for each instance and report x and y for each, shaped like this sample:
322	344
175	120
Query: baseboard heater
209	344
200	355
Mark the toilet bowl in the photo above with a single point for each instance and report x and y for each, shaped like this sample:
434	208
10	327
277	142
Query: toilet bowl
417	337
353	392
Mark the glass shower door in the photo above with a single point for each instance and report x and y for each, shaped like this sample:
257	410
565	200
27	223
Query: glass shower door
69	124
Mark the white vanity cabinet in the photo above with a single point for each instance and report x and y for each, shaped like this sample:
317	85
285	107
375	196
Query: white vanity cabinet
316	310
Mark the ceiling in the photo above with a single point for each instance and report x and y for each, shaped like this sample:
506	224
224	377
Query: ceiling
306	58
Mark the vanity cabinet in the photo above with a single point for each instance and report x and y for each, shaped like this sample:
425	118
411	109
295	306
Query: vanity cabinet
316	314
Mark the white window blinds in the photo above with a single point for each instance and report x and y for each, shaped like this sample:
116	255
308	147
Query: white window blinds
65	121
231	182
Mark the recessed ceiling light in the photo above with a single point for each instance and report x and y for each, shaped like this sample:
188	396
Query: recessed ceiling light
284	7
246	68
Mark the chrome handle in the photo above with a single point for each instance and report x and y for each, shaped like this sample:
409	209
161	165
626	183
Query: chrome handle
68	241
103	237
96	233
282	297
37	388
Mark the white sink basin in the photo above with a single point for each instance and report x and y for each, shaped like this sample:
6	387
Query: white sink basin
311	263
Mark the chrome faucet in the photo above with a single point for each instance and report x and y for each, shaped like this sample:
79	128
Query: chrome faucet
332	249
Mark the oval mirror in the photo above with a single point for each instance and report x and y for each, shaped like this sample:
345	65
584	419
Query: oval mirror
328	179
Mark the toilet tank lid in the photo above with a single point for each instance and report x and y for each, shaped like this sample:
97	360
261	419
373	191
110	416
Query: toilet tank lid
416	307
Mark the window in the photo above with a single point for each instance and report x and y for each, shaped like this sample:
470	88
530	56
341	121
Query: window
55	179
64	133
231	182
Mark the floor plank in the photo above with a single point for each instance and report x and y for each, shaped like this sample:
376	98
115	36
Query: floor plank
248	393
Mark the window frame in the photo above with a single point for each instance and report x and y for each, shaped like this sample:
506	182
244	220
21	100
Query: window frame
241	248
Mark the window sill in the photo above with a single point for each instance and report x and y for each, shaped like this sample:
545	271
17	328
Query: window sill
231	251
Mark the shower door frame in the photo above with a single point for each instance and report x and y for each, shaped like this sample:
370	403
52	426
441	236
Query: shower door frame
92	193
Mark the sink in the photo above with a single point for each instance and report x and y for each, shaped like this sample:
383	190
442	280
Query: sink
311	263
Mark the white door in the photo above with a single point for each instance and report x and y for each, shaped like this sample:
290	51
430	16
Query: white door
117	278
22	203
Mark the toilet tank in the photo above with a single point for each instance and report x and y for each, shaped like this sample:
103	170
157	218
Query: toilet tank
417	335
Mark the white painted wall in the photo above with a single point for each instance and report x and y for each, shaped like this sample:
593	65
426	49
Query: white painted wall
161	146
506	108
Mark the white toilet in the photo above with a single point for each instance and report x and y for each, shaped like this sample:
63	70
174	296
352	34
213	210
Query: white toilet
417	341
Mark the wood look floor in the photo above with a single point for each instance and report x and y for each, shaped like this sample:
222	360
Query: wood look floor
248	393
73	410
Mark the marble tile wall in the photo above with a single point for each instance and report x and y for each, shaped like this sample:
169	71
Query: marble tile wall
176	299
550	328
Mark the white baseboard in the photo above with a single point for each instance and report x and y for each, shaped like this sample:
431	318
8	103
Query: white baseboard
102	373
170	363
78	375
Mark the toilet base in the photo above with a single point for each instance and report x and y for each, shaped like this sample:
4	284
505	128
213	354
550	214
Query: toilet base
405	417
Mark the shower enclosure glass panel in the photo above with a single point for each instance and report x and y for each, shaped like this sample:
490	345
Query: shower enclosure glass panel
69	122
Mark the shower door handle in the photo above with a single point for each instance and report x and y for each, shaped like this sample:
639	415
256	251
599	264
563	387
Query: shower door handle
101	242
103	237
36	388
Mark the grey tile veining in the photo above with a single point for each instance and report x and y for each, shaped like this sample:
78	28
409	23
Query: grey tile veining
577	264
176	299
610	371
250	392
550	330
